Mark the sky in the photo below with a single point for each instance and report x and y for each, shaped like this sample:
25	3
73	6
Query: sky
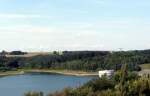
48	25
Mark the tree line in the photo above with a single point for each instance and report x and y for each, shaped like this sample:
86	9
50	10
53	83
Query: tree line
78	60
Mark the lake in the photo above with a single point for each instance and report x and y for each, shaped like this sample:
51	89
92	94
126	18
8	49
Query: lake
19	84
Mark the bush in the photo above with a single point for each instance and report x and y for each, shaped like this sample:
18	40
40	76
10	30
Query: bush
34	94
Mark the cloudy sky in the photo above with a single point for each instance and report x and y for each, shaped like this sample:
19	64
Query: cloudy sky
47	25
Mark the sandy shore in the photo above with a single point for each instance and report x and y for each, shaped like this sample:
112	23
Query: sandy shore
62	72
9	73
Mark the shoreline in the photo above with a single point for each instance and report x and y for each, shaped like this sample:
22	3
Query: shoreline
11	73
74	73
61	72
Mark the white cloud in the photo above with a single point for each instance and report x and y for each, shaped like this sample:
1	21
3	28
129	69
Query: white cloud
100	35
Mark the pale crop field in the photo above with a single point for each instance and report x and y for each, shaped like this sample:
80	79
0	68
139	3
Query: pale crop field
31	54
145	66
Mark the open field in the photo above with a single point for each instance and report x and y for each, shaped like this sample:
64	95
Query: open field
30	54
145	66
145	69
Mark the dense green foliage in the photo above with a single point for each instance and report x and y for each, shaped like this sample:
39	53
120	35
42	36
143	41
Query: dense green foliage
17	53
13	53
34	94
79	60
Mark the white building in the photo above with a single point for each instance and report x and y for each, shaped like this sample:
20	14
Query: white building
106	72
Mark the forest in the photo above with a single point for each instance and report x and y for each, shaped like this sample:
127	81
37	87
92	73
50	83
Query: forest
78	60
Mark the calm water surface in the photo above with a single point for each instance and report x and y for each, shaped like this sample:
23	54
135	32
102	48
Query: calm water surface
19	84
